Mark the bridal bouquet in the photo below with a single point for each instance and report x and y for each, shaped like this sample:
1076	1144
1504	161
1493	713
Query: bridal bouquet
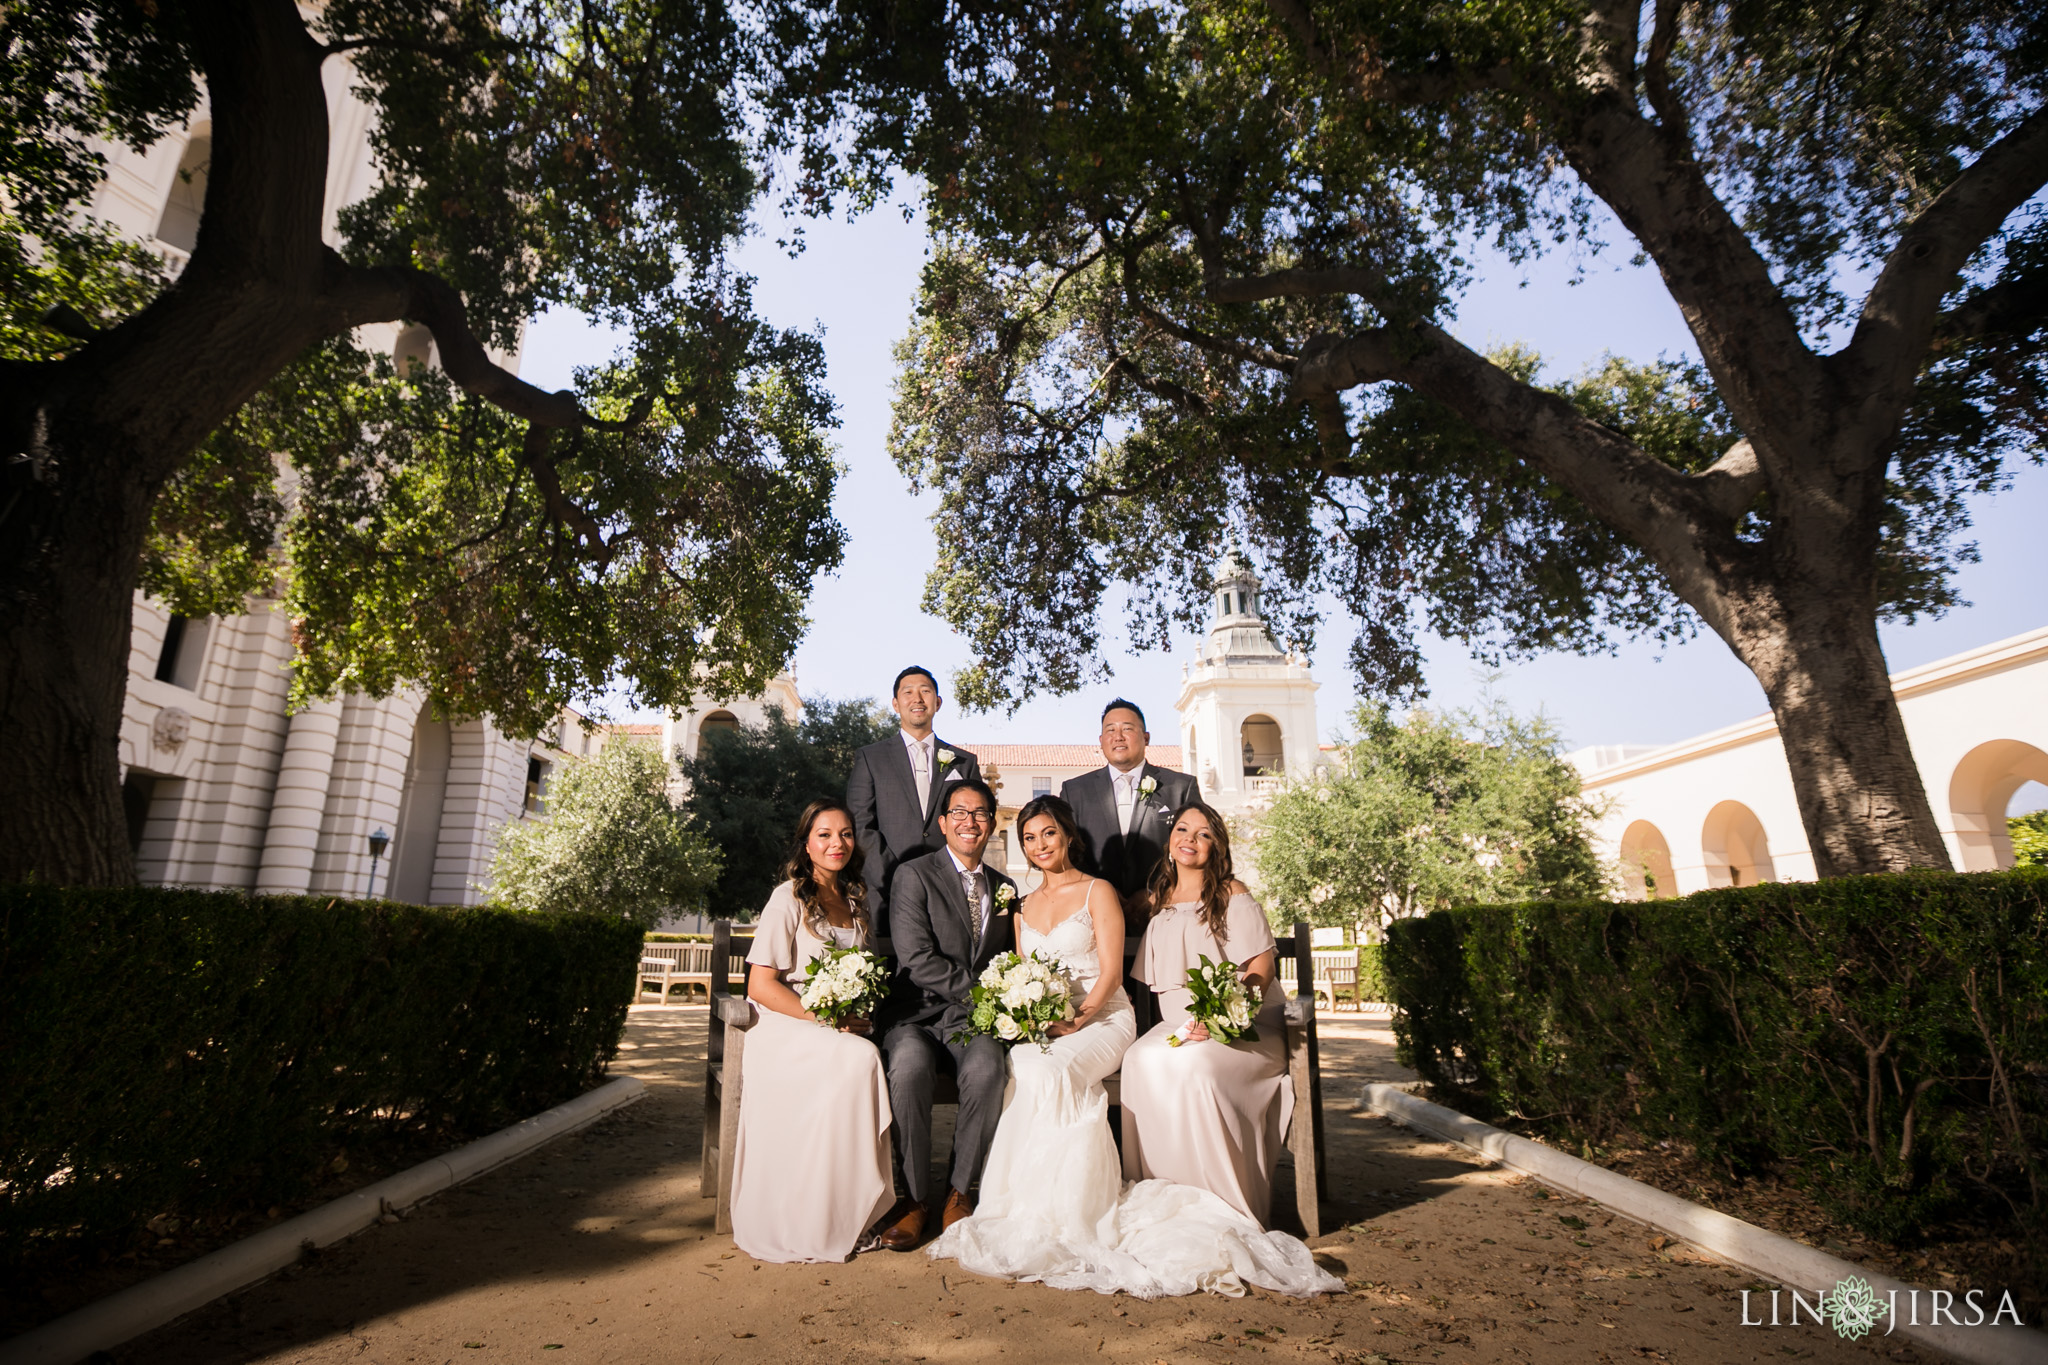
1223	1004
845	983
1017	997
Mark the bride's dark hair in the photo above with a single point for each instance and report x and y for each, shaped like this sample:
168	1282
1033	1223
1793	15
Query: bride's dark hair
1062	815
1216	872
804	873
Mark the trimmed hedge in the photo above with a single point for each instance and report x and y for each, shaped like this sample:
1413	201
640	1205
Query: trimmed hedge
1886	1037
170	1050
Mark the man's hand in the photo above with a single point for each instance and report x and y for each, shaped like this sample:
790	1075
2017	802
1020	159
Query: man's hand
857	1024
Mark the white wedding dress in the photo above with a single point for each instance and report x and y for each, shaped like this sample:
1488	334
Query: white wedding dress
1053	1204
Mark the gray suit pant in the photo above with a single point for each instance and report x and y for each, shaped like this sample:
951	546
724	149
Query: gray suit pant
910	1054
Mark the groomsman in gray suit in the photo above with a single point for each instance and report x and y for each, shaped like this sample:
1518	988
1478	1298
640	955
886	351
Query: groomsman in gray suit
896	786
1126	807
953	914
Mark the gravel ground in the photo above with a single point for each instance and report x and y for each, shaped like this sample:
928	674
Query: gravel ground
600	1249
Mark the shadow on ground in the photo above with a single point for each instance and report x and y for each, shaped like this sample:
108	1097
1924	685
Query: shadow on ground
600	1248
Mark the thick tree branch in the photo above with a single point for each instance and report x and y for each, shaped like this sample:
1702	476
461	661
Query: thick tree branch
2013	305
1657	72
1901	312
1685	522
364	294
1747	331
1302	24
589	536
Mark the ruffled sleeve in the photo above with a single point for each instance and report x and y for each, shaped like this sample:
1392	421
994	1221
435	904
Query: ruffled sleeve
775	933
1248	933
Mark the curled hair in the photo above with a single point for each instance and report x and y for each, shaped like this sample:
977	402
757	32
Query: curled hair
1062	815
1216	873
852	884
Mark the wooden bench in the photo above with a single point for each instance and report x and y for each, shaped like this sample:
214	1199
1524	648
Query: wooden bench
667	965
732	1016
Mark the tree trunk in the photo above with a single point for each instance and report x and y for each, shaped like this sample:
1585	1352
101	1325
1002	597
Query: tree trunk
1816	653
67	585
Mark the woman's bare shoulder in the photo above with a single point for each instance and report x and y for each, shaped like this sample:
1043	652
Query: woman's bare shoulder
1237	888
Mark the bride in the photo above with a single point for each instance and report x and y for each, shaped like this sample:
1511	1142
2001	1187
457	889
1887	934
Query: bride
1053	1207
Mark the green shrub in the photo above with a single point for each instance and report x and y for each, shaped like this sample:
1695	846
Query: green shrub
1372	972
1884	1037
169	1050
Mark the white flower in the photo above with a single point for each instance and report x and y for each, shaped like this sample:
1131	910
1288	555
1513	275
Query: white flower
1007	1029
946	756
1034	991
1147	786
1004	896
991	975
1015	998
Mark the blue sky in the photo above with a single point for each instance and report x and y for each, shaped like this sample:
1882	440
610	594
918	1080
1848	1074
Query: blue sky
857	282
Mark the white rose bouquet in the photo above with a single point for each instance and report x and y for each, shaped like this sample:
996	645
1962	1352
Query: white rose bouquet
1017	997
844	983
1222	1004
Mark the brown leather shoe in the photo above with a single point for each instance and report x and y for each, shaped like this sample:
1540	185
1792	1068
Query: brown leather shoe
907	1230
958	1206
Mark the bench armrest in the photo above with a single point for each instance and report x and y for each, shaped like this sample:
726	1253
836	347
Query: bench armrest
734	1011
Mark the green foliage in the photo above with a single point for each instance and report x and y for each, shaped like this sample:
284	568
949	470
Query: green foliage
749	784
595	156
2030	838
1433	811
1094	409
181	1051
611	846
1881	1037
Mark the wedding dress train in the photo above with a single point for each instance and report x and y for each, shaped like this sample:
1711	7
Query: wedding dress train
1053	1204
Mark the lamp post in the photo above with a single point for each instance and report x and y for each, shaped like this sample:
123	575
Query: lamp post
378	843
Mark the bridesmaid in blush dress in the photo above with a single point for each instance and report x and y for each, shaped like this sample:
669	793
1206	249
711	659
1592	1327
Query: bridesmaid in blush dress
1208	1113
811	1165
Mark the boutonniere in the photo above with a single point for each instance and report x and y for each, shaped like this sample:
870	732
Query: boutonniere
1146	786
946	757
1006	896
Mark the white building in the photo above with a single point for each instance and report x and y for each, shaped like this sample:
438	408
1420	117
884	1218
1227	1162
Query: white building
224	787
1719	810
1247	707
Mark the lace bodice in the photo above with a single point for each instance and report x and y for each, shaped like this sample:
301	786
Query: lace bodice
1071	943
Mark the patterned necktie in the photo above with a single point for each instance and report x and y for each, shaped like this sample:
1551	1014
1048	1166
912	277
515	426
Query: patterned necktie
971	883
921	768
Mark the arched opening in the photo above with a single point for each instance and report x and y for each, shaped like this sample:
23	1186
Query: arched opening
414	347
418	841
1646	863
1737	852
1980	794
1261	746
179	226
717	720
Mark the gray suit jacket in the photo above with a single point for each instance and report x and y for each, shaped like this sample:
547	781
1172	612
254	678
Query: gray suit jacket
887	820
1125	861
933	940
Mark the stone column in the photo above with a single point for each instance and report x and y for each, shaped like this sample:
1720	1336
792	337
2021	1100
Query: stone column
295	811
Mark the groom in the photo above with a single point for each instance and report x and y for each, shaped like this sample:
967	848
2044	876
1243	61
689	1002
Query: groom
950	915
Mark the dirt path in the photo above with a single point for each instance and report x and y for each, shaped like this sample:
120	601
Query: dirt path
599	1249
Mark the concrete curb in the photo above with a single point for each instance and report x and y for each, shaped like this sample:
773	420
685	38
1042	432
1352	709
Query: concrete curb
141	1308
1772	1257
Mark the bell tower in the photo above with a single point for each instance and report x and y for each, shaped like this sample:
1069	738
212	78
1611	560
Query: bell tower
1247	707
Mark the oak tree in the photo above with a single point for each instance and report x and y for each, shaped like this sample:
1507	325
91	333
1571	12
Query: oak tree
1193	279
225	432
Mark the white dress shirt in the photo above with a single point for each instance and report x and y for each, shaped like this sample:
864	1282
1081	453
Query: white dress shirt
922	754
981	911
1125	787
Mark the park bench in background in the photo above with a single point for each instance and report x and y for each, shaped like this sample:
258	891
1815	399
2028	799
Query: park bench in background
731	1017
668	965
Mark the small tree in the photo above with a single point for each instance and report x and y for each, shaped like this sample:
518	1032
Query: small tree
611	845
748	785
2029	839
1439	809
